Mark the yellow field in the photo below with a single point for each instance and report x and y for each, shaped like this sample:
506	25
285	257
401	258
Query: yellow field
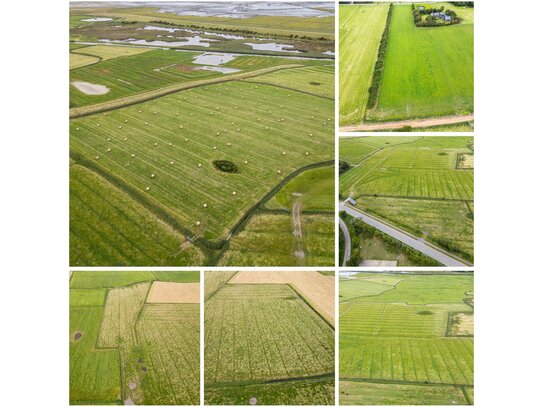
106	52
174	293
316	288
78	60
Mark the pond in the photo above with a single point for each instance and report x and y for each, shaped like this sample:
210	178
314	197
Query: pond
271	46
96	19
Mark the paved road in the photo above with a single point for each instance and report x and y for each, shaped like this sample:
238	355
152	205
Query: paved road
436	121
345	230
416	243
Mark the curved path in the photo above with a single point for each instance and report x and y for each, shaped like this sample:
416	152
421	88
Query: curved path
417	243
345	230
420	123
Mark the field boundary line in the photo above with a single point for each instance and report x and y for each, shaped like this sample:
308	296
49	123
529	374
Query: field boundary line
308	303
220	287
415	198
404	382
78	112
320	377
100	59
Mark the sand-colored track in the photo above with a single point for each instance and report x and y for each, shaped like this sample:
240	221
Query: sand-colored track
316	288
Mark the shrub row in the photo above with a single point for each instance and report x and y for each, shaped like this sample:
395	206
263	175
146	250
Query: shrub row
380	64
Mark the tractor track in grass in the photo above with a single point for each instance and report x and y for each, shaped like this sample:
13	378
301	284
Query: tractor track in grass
415	123
298	233
345	230
78	112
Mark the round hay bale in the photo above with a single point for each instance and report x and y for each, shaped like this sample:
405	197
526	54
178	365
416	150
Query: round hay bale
97	157
197	223
229	144
307	153
154	112
108	139
233	192
170	144
147	188
211	113
246	162
180	126
239	129
214	148
126	121
156	144
120	127
186	139
192	114
146	123
108	150
98	125
133	155
205	205
171	162
218	133
217	106
279	171
139	111
77	128
125	139
152	175
199	164
284	153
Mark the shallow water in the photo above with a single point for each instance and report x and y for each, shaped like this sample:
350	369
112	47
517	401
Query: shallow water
96	19
196	40
270	46
214	59
172	30
329	53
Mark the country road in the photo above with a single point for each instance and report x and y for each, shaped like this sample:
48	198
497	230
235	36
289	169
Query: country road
435	121
345	230
417	243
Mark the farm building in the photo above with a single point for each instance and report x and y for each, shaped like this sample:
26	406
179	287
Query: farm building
351	201
443	16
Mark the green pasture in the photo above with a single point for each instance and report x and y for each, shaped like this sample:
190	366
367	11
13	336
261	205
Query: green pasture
316	80
157	149
413	183
284	339
267	240
428	70
360	31
124	351
108	228
394	346
314	188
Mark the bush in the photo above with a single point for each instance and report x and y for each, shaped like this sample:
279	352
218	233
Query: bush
226	166
344	166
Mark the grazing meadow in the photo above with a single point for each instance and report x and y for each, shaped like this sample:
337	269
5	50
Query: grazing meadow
406	338
125	349
417	183
425	72
289	357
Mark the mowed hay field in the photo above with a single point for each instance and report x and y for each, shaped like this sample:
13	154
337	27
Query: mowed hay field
264	344
160	154
125	350
360	31
399	341
428	70
416	183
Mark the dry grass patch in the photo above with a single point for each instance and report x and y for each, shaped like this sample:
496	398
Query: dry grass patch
316	288
174	293
461	324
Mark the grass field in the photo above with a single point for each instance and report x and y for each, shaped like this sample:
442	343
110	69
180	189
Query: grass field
287	359
126	351
428	71
395	342
415	183
360	31
153	151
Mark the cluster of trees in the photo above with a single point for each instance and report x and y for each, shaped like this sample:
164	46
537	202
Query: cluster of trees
380	64
226	166
463	3
433	21
362	230
344	166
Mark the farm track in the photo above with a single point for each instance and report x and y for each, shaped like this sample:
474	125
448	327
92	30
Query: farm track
345	231
416	243
416	124
167	90
319	377
298	233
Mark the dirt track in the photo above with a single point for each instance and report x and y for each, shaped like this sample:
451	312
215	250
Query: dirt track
297	232
436	121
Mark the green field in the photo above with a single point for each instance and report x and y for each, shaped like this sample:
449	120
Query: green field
132	70
164	151
415	183
263	341
428	71
399	340
124	350
360	31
